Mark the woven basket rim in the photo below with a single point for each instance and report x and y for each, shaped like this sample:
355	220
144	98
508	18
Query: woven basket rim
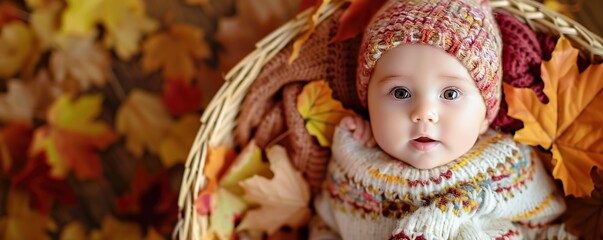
218	119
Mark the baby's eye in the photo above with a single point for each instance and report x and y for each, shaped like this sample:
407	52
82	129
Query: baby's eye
400	93
451	94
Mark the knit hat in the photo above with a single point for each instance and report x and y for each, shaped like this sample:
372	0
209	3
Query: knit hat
463	28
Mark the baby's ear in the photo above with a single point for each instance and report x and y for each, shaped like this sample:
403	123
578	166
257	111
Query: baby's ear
484	126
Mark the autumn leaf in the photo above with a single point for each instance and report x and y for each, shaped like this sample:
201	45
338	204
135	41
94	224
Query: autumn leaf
570	124
15	139
584	219
218	160
144	121
253	20
227	208
18	103
16	46
285	197
175	51
45	20
247	164
21	222
181	97
312	22
80	59
73	231
151	201
124	21
178	141
73	136
321	113
9	12
114	229
42	187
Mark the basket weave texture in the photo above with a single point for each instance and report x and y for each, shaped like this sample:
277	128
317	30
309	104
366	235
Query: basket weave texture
218	120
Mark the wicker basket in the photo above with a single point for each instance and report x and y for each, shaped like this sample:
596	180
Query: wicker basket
218	120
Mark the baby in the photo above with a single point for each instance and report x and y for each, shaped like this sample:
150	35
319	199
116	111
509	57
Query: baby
429	73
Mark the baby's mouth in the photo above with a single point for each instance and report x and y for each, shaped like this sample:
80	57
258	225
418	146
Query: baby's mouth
424	144
424	139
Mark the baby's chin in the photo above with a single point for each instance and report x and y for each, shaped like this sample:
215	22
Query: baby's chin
425	163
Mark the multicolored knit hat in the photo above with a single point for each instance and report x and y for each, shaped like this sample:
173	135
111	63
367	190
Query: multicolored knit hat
463	28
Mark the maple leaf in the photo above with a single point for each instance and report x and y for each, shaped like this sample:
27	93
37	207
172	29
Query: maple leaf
16	46
285	197
42	187
18	103
80	59
584	216
21	221
321	113
178	141
45	20
181	97
124	21
227	208
144	121
253	21
175	51
115	229
312	22
9	12
73	231
15	139
151	201
218	160
73	136
569	125
247	164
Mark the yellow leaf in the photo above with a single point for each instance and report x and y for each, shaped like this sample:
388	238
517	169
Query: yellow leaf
175	51
17	104
113	229
45	20
16	45
80	59
247	164
179	139
144	121
22	222
73	136
570	124
124	20
284	198
320	111
312	21
225	211
73	231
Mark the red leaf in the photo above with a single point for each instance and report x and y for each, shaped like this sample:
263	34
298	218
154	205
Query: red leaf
42	187
10	12
16	137
356	17
181	97
305	4
151	202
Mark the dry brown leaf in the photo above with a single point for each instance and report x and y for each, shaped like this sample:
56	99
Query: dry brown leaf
80	59
114	229
45	20
570	124
144	121
22	222
16	46
18	103
175	51
178	141
284	198
254	20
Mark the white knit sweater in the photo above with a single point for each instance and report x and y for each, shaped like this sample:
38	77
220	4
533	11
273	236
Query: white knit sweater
497	190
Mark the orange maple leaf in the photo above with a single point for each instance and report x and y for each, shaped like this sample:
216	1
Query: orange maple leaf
175	51
570	124
72	137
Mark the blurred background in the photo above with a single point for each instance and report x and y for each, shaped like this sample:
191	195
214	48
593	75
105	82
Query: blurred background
100	101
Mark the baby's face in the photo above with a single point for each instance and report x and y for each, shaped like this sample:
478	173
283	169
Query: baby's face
424	106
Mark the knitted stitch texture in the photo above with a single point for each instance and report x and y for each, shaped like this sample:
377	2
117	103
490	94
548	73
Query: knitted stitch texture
463	28
482	195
